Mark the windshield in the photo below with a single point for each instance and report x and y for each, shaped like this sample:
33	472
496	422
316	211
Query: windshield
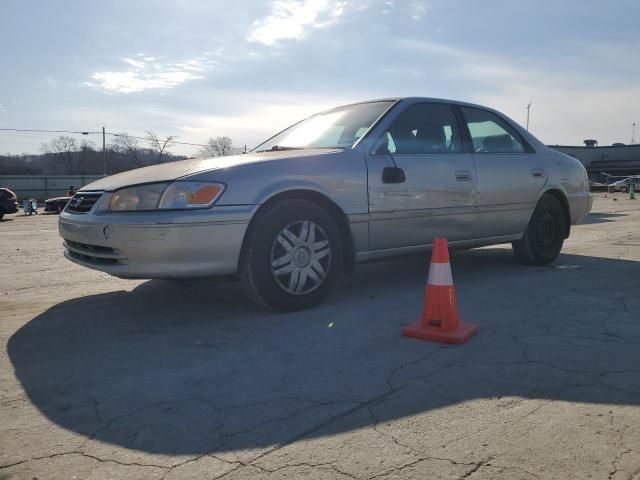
337	128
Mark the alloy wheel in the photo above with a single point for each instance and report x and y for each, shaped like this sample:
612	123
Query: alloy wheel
300	257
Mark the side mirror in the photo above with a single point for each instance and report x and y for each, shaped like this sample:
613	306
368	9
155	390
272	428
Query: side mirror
393	175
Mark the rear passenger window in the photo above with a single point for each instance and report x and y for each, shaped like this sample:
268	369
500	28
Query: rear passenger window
491	134
423	128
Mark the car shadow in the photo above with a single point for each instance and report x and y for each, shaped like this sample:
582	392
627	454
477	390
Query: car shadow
601	217
192	368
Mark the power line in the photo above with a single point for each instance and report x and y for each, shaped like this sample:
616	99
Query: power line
146	139
26	130
44	131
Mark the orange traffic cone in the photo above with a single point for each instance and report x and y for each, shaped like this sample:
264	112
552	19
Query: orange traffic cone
440	320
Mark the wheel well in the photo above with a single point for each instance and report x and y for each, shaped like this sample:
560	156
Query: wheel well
565	207
323	201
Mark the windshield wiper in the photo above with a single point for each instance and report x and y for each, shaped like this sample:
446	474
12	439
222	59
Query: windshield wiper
279	148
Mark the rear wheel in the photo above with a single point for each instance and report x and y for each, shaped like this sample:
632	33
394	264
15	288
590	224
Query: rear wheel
544	236
292	256
623	189
1	213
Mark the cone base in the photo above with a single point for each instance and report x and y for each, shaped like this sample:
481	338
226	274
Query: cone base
436	334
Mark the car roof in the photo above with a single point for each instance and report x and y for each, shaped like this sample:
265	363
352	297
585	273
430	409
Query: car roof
418	99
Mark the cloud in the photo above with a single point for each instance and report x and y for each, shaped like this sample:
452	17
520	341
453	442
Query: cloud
417	9
463	63
565	107
291	19
144	73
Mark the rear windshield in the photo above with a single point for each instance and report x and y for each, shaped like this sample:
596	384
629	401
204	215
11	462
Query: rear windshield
337	128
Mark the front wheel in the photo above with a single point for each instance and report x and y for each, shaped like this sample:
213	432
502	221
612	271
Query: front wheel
623	189
292	256
545	233
1	213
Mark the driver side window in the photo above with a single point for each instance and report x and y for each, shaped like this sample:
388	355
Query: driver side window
423	128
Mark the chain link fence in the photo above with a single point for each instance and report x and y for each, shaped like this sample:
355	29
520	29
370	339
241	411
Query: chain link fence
42	187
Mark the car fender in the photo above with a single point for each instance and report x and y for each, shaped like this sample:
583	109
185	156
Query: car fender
341	177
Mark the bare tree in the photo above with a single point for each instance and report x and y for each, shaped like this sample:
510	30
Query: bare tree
86	157
63	147
216	147
128	146
160	146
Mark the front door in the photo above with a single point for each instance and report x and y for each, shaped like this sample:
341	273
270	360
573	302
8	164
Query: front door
436	196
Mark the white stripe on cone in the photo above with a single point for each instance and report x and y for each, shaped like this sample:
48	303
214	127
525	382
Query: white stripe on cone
440	275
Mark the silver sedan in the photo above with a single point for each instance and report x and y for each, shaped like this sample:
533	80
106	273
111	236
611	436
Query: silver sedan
358	182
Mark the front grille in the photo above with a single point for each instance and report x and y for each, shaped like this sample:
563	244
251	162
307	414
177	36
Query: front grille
95	254
83	202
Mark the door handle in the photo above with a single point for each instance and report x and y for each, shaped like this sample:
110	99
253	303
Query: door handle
463	175
537	172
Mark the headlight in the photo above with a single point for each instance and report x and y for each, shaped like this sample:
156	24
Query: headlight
140	197
177	195
189	195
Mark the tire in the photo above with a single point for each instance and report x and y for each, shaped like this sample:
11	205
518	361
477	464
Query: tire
545	233
623	189
281	266
1	213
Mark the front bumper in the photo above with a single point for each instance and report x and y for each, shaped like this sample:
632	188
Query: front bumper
157	244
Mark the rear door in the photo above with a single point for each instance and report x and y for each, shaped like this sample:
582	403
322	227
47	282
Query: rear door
436	196
510	174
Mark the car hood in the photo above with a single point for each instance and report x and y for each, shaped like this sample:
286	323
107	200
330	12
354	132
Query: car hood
167	172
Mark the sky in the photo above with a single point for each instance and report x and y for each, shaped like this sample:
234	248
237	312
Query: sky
248	68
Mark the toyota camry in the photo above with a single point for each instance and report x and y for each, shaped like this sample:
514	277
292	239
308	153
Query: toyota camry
358	182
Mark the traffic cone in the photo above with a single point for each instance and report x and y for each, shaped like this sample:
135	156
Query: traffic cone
439	321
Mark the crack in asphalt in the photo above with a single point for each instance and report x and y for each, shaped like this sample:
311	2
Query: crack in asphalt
508	467
83	454
475	468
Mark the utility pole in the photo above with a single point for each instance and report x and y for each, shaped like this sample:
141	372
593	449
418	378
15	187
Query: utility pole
104	154
528	111
633	134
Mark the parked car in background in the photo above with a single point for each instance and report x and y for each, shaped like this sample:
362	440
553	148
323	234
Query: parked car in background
355	183
625	184
8	202
56	204
609	179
